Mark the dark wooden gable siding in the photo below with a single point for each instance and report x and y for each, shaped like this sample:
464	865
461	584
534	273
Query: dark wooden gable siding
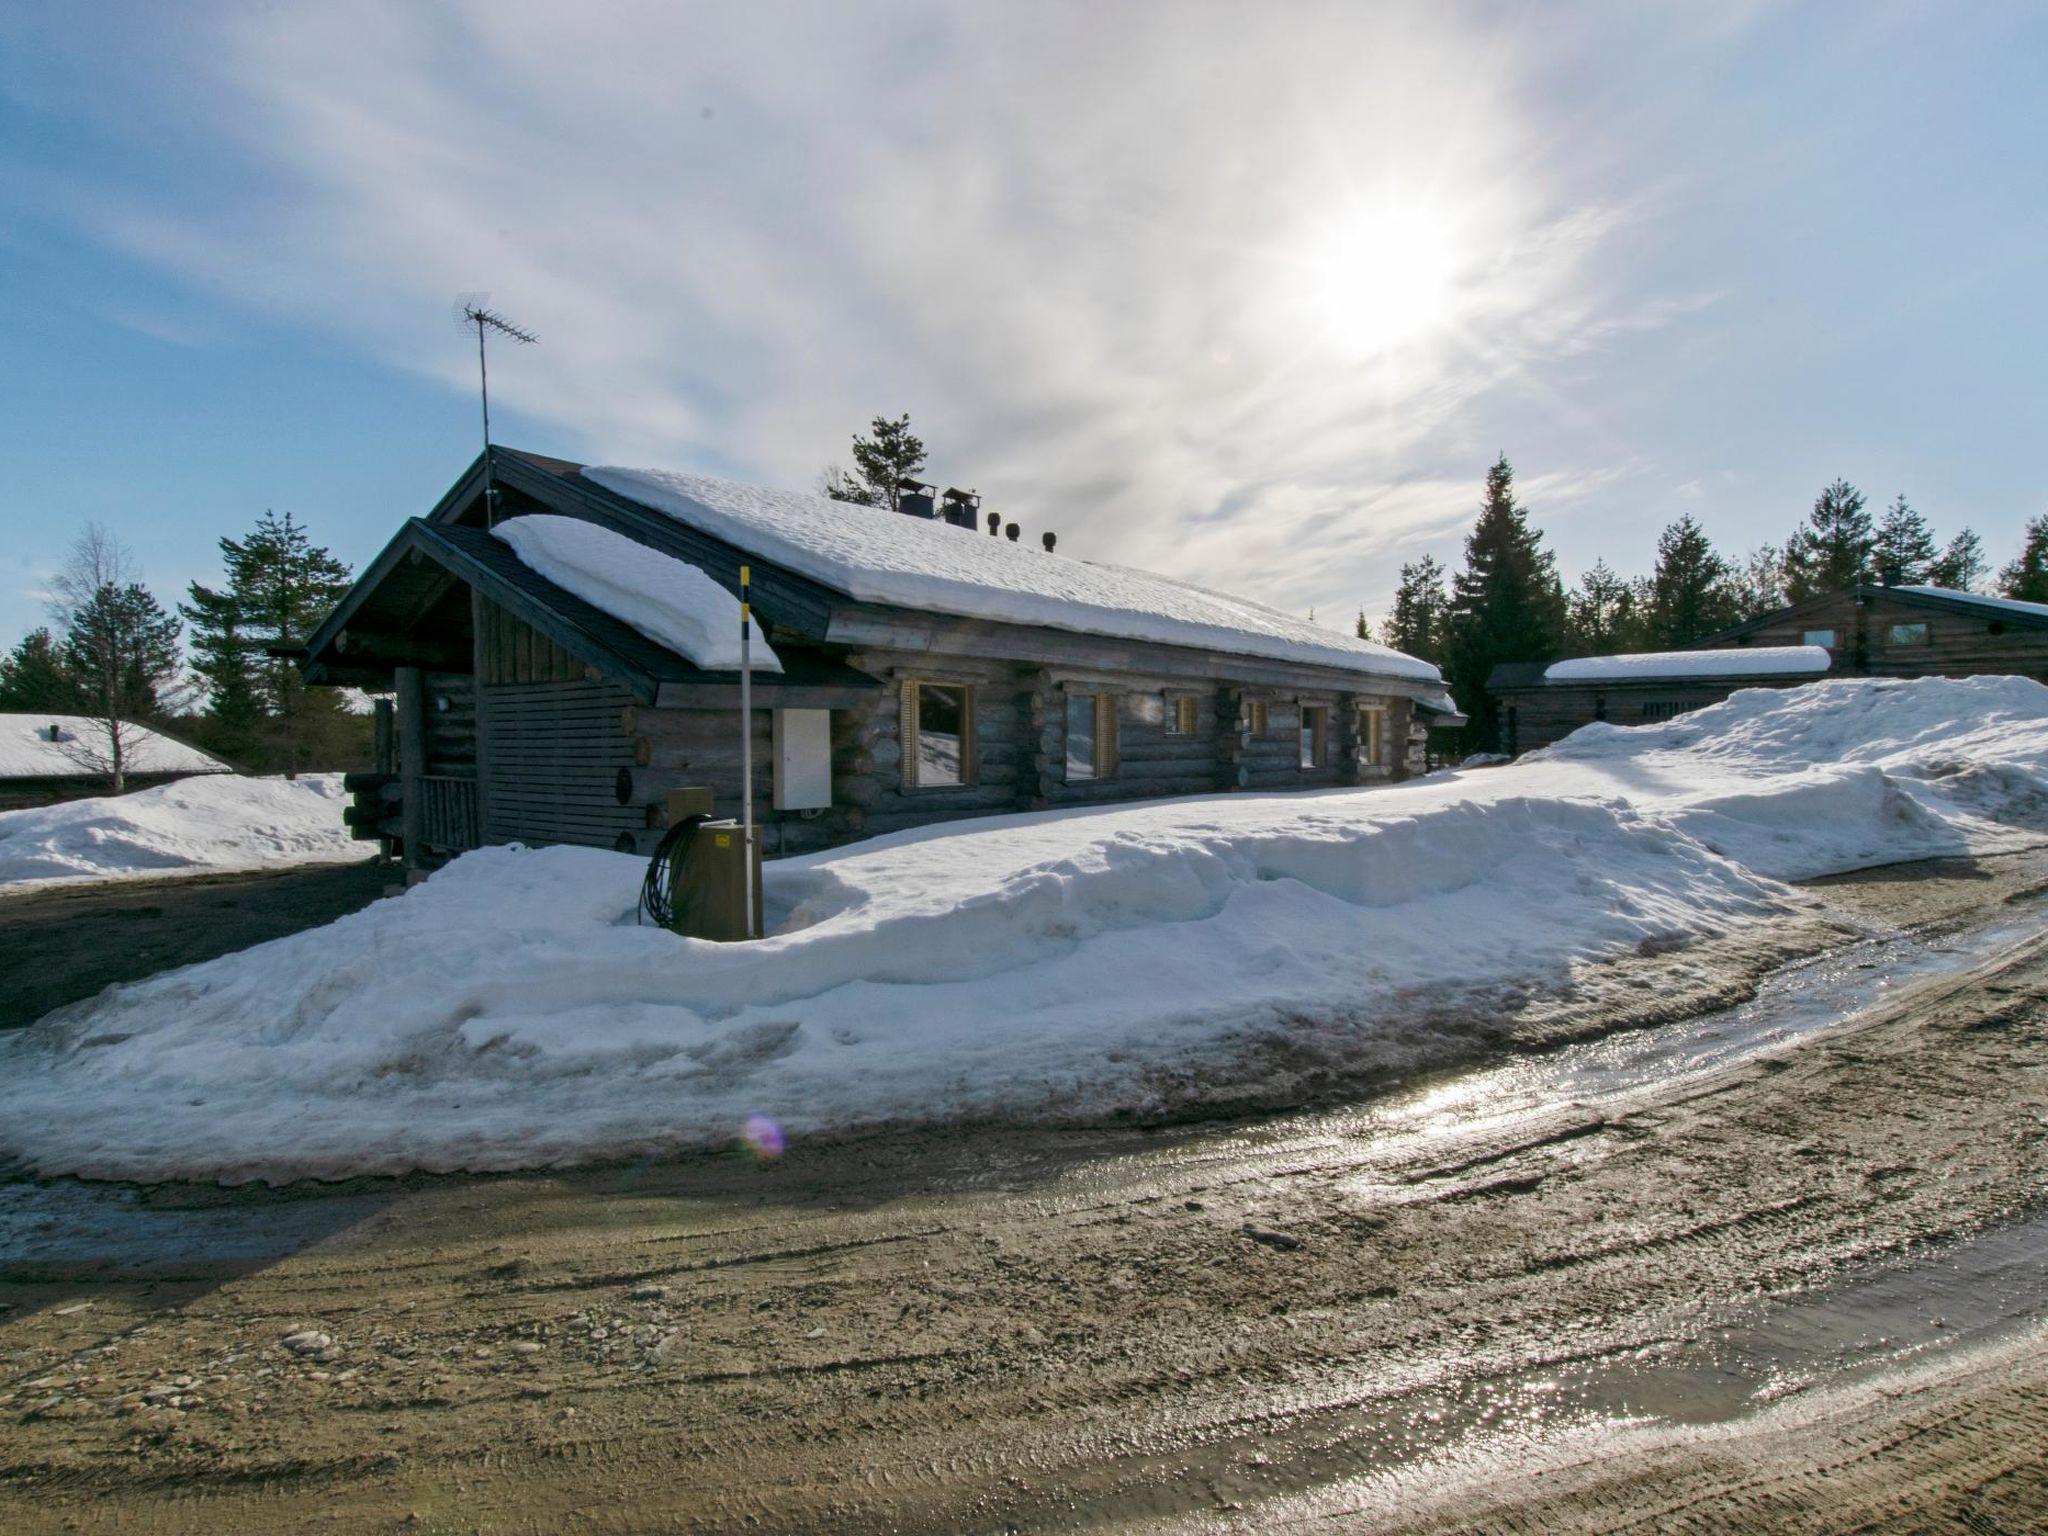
1964	640
552	747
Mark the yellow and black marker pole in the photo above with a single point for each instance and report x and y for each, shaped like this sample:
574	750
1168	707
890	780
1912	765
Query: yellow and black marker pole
747	746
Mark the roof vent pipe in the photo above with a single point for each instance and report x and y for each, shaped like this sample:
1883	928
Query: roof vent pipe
1048	539
1010	532
995	524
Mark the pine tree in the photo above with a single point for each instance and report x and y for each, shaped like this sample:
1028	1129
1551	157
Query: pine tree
1692	590
2027	577
119	647
1904	550
279	586
1420	620
1831	550
881	464
1506	604
33	679
1757	586
1960	566
1600	614
226	661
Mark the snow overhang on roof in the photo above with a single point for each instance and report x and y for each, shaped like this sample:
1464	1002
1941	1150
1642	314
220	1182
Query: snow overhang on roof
1669	666
1441	710
876	556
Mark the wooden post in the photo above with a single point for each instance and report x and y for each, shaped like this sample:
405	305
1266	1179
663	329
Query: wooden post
412	764
387	759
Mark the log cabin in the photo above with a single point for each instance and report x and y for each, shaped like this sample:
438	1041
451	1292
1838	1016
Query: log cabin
1868	630
561	640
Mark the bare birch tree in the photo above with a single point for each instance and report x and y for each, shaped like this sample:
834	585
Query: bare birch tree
120	648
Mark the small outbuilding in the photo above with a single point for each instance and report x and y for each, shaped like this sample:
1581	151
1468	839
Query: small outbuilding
48	758
563	653
1542	703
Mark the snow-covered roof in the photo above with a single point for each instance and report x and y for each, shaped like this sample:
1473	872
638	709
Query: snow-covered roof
669	601
27	750
2004	604
1645	666
877	556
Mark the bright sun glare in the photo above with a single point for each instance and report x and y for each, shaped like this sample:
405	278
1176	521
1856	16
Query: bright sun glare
1381	277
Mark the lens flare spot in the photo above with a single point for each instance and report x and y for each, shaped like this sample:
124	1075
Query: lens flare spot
763	1137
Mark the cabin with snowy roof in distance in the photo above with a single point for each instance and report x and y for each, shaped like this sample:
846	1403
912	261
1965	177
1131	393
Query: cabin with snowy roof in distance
564	659
1862	631
45	759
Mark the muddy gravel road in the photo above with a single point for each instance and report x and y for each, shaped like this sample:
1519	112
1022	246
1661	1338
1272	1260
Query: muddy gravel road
1777	1266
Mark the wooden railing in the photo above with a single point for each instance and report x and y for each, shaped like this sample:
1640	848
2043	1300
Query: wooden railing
449	810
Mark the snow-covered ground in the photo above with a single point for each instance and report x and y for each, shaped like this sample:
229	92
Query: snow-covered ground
510	1013
187	827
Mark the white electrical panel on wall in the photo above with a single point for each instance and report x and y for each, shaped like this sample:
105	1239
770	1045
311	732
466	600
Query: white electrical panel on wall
803	759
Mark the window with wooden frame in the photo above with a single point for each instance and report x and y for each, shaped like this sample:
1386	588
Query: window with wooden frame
1908	634
1252	717
938	734
1372	736
1091	736
1180	715
1315	736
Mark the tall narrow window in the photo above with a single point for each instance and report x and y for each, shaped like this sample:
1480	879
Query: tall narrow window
1180	716
1372	737
1315	735
1253	717
938	735
1091	736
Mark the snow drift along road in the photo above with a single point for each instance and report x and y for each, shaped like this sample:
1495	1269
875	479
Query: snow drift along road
509	1013
190	826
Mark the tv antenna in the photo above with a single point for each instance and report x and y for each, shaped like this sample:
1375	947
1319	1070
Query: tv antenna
471	311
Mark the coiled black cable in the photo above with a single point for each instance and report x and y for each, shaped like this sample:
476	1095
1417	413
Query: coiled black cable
657	892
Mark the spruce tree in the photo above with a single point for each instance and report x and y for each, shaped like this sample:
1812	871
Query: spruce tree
34	680
1421	613
279	586
1961	565
1692	590
120	649
1904	550
882	462
1506	604
1757	586
226	661
1831	550
1600	614
2027	577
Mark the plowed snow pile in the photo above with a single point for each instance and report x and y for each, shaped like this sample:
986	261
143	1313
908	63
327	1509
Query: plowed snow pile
190	826
510	1013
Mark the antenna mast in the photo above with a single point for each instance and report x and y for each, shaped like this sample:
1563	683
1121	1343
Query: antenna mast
474	313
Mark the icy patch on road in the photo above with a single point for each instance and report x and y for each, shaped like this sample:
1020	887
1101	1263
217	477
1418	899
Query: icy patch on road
510	1013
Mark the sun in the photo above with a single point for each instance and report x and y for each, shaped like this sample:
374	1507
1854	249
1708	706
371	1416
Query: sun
1380	276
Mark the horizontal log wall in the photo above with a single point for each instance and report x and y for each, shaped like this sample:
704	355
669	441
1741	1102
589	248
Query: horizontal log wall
449	705
1957	644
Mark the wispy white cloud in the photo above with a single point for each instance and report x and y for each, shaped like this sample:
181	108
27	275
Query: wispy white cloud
1068	239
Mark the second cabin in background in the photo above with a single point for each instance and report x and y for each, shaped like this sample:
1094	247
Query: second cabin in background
566	655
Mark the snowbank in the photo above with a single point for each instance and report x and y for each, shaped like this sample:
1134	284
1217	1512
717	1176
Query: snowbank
191	826
509	1012
879	556
669	601
28	751
1643	666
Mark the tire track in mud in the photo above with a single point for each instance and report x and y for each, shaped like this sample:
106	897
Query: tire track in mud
1014	1330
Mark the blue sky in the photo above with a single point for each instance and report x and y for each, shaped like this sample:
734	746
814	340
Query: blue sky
1250	295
